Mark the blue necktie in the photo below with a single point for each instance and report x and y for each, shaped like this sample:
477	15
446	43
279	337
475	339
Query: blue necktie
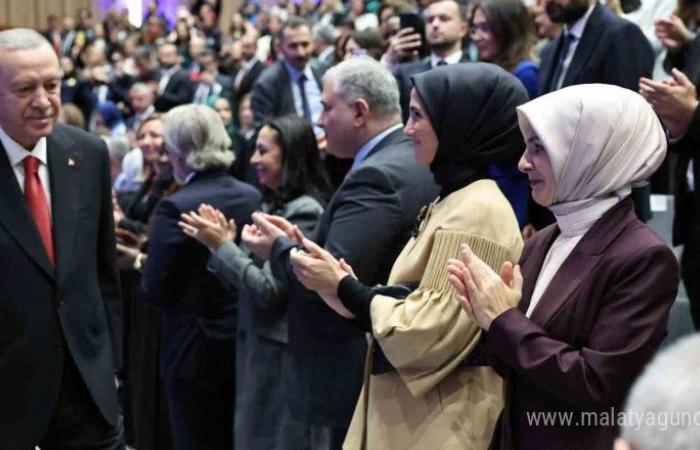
554	83
304	100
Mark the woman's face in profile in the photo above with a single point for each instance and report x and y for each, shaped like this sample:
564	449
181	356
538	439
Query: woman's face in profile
267	159
536	165
420	130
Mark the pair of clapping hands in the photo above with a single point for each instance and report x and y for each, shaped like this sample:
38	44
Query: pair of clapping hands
483	293
211	228
315	268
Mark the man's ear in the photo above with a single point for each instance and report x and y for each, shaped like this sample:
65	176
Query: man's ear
361	112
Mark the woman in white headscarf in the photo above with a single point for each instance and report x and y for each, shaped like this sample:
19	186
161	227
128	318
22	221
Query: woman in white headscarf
591	307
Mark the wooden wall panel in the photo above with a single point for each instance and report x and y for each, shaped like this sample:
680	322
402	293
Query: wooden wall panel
21	13
44	8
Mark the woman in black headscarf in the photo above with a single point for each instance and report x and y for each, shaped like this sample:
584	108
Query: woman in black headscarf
423	387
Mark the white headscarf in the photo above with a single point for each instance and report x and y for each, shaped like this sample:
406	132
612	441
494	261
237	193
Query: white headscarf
600	139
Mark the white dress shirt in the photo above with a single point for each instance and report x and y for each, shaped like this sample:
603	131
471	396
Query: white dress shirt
454	58
16	154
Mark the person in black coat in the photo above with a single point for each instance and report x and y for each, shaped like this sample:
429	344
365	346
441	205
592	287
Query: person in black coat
60	290
199	314
676	102
174	85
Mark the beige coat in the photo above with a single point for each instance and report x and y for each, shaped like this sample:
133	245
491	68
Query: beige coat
428	402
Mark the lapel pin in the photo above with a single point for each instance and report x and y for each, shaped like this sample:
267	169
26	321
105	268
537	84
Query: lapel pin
71	162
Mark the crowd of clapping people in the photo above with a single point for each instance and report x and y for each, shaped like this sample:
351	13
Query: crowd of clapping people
394	225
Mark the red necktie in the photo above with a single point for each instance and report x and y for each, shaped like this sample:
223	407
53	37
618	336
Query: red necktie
36	199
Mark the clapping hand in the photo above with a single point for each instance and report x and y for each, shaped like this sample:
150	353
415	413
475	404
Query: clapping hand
672	32
673	99
260	236
319	271
483	293
208	226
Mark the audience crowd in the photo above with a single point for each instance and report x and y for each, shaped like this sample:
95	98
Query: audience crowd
391	224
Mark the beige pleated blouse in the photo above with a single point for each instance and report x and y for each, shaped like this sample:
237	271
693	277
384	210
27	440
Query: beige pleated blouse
429	402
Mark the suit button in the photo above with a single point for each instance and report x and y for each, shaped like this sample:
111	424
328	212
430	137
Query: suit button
61	303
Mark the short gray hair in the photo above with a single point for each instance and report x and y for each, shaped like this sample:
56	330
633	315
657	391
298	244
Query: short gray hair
367	79
118	146
197	132
141	88
21	39
666	397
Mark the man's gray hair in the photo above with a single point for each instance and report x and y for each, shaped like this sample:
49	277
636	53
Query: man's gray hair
365	78
663	407
21	39
141	88
197	132
118	146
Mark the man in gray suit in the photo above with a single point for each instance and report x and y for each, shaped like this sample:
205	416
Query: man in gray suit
367	222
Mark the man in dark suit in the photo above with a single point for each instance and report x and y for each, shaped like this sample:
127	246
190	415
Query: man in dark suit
251	68
174	84
292	84
199	314
595	46
676	103
59	287
367	222
445	30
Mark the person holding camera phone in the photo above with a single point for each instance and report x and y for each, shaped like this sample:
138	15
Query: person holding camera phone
445	30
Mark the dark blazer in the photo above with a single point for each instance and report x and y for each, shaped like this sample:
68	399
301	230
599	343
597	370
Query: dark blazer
178	91
47	314
367	222
272	92
612	50
403	74
686	221
197	310
600	320
248	80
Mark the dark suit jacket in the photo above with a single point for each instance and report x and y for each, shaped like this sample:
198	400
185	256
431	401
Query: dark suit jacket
612	50
178	91
367	222
198	313
403	74
248	80
47	314
597	324
686	221
272	92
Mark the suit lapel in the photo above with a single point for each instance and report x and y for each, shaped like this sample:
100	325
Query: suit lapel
287	98
589	40
16	218
64	169
533	265
548	64
582	260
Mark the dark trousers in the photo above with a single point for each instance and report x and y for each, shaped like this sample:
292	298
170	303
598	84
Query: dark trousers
201	412
77	423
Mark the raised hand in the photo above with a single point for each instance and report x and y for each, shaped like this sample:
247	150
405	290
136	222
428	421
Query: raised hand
319	271
208	226
483	293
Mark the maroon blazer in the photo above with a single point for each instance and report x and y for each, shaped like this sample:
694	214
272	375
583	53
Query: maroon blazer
598	323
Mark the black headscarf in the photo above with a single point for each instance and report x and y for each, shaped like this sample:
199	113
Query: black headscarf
472	110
